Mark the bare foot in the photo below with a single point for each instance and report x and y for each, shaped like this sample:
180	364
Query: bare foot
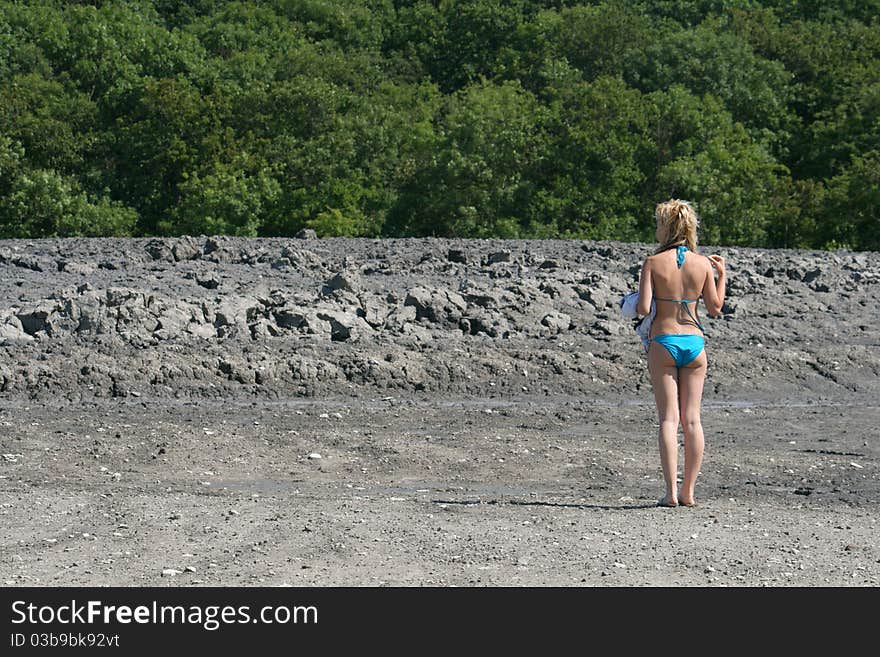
683	501
665	501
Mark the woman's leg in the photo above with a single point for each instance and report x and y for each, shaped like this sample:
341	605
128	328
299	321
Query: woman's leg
664	380
690	383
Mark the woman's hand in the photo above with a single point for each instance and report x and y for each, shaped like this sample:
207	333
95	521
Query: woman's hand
718	263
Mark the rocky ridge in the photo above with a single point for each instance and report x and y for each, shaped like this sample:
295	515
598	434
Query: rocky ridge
211	317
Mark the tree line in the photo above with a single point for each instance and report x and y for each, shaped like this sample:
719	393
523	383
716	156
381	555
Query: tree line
468	118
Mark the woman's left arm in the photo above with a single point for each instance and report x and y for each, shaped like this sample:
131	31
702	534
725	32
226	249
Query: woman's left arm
646	290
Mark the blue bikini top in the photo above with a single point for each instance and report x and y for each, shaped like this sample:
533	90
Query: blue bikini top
679	258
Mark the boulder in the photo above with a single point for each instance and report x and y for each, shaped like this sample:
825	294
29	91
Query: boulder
344	325
186	248
498	256
38	317
457	255
208	281
236	311
374	310
159	249
341	281
440	306
76	267
11	329
556	321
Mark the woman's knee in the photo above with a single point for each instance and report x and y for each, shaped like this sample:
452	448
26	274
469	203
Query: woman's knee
691	422
669	418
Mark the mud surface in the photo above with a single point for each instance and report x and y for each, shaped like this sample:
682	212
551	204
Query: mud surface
422	412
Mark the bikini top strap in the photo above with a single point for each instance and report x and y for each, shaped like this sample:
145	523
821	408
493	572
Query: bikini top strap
688	311
679	255
684	303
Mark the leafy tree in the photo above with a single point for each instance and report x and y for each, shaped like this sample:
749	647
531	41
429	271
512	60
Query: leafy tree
475	183
852	210
590	173
225	200
708	59
702	155
42	203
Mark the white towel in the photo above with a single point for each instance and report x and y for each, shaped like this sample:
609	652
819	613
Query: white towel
628	309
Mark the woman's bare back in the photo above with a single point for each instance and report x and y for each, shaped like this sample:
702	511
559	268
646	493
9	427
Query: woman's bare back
670	282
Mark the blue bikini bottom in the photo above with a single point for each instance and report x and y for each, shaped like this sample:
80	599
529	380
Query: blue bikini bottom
682	347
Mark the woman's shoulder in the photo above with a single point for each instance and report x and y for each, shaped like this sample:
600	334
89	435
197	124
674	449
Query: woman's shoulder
702	260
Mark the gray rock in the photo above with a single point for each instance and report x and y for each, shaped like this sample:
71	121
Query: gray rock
491	324
400	317
289	318
298	258
214	243
557	321
173	320
11	329
263	329
342	281
236	311
38	317
599	297
209	281
186	248
75	267
33	263
219	248
89	313
343	325
440	306
159	249
306	234
201	330
484	299
236	370
116	296
374	310
457	255
499	256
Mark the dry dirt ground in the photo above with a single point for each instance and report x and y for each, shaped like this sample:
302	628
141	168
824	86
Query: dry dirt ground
204	411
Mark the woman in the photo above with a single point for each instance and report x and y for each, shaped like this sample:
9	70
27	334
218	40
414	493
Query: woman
675	277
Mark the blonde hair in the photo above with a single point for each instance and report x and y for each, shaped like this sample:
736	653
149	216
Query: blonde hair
678	223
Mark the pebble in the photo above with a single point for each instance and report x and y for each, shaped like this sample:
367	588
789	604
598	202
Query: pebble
170	572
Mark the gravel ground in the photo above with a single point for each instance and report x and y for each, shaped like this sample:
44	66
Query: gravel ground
216	411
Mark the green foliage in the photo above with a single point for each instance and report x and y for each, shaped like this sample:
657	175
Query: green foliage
474	181
704	156
852	211
705	59
598	133
224	201
476	118
42	203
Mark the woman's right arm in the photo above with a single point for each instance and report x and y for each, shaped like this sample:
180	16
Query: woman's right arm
646	290
715	291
